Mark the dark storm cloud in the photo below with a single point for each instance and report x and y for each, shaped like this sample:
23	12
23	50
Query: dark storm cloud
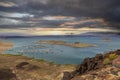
29	6
107	9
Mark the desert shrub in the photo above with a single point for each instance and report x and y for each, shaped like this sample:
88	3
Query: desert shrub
106	61
112	56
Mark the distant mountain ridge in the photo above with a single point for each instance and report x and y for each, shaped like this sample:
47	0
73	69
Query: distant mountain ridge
85	34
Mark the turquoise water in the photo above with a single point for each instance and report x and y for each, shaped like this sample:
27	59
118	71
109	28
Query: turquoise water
62	54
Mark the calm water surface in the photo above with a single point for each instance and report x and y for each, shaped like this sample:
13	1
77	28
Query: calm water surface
62	54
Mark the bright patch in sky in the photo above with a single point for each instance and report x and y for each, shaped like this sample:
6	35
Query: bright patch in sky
16	15
53	31
20	15
58	18
6	21
7	4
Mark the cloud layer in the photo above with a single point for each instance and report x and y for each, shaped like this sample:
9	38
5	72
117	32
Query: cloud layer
107	9
29	14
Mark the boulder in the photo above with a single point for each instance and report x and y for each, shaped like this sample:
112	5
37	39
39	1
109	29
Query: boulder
21	65
66	76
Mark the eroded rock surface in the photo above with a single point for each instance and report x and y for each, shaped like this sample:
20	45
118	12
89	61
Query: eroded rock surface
94	69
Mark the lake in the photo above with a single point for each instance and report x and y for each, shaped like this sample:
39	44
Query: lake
60	54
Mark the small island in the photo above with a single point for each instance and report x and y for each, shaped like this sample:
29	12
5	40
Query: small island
106	40
75	44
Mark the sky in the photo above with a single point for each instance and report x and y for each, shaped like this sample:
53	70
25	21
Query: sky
58	17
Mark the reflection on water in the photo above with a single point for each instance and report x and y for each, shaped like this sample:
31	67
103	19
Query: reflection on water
59	53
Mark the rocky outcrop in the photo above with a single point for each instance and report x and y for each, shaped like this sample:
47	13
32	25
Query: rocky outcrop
67	76
90	64
107	73
94	69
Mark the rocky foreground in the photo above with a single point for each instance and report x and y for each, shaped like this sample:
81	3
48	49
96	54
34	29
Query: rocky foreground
14	67
75	44
101	67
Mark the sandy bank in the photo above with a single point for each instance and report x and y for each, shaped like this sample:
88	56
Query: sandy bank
75	44
5	46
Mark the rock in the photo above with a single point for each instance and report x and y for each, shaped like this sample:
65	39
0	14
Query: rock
21	65
6	74
116	62
117	52
90	64
114	71
95	74
66	76
99	57
26	66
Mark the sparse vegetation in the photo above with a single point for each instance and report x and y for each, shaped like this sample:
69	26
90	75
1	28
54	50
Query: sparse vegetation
106	61
109	59
112	56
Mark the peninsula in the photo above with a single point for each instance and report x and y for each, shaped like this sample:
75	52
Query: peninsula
5	46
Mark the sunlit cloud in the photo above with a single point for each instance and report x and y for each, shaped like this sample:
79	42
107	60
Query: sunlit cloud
52	31
47	17
67	31
58	18
14	32
72	24
7	4
7	21
15	14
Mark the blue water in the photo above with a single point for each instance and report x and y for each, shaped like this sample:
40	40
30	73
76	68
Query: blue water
62	54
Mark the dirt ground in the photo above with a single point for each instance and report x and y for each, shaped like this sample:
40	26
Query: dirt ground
34	69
